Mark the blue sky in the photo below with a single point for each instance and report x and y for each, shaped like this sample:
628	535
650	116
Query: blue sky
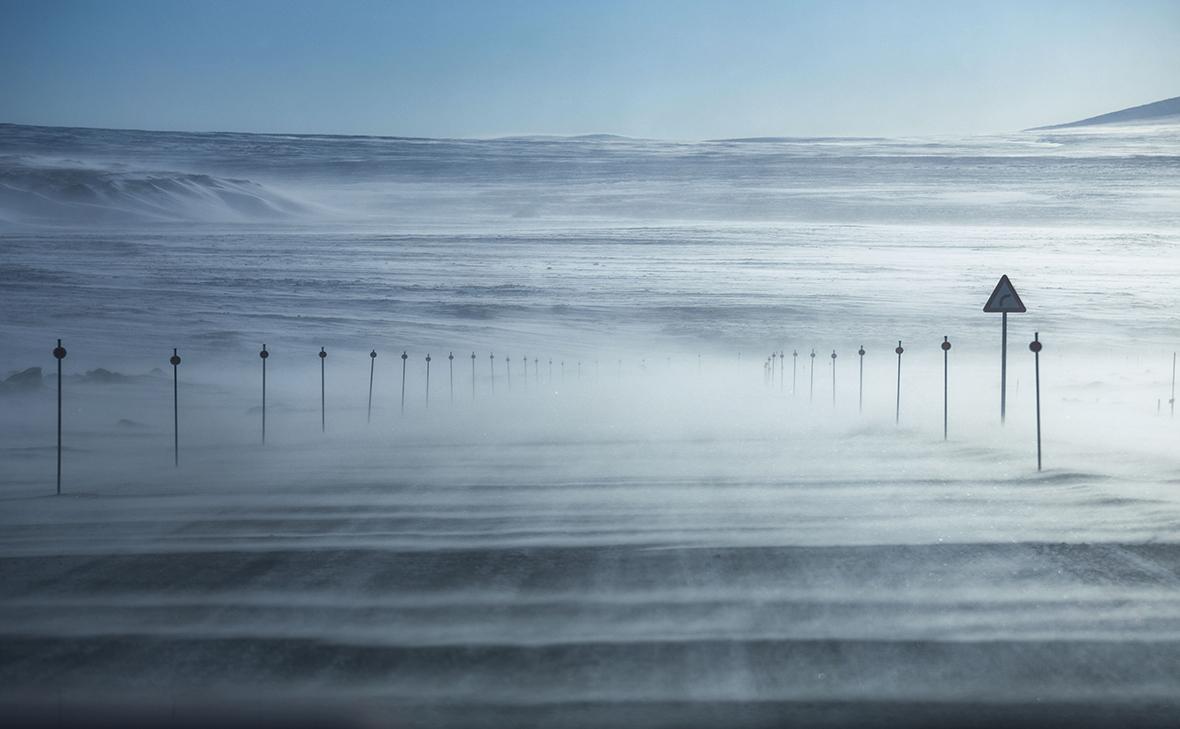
684	70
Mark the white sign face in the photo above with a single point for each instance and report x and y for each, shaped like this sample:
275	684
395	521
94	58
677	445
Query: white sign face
1004	299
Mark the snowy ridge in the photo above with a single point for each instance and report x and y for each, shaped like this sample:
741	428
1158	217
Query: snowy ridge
35	190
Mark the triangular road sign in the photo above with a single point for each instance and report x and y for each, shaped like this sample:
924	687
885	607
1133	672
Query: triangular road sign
1004	299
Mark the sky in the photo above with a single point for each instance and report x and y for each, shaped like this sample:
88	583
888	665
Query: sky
648	68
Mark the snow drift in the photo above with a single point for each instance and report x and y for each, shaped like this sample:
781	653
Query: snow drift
33	190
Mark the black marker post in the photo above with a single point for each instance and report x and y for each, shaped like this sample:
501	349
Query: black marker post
404	358
833	378
372	366
899	350
428	380
174	360
811	391
473	375
451	367
1004	300
946	356
860	398
59	353
1035	347
492	367
508	365
323	401
263	355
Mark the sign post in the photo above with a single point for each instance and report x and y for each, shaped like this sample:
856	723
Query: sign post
1004	300
428	380
451	367
473	375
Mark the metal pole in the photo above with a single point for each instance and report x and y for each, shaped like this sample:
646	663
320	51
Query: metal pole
428	380
1003	366
323	401
264	355
451	367
1035	346
175	361
492	367
794	369
372	366
508	365
833	378
897	415
860	398
59	353
811	392
473	375
404	358
946	351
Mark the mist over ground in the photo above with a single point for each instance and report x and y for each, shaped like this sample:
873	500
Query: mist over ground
621	517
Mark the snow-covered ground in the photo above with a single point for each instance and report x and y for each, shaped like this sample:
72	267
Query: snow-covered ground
645	531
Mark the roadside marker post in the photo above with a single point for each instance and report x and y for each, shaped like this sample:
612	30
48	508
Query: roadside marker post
794	369
860	398
1004	300
372	367
451	369
174	360
323	401
59	353
428	380
473	375
1035	346
404	358
264	355
897	413
833	378
946	352
811	391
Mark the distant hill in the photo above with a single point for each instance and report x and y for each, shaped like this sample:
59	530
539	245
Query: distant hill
1153	113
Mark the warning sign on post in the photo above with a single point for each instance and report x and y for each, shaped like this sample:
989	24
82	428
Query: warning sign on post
1004	299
